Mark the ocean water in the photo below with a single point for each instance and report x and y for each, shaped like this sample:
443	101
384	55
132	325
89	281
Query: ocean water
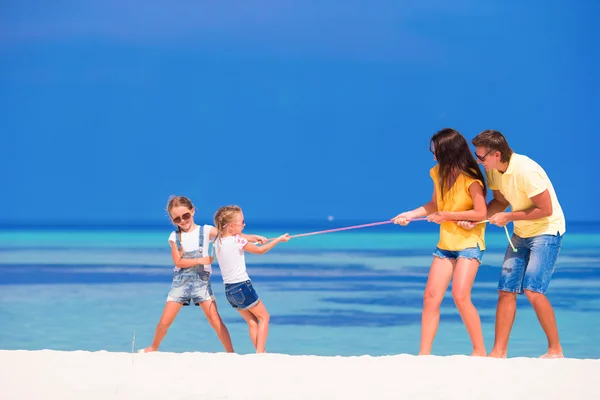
349	293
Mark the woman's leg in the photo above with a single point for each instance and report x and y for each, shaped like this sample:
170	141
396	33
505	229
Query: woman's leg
214	319
462	283
263	317
252	324
168	315
440	274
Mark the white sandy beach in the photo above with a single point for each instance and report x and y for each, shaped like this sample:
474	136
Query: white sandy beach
47	374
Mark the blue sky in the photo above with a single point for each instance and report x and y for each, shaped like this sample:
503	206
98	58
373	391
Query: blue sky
291	109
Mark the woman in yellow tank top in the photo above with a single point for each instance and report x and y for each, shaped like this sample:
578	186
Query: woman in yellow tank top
458	194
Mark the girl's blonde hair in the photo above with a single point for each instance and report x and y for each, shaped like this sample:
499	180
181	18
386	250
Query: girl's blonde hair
225	215
175	201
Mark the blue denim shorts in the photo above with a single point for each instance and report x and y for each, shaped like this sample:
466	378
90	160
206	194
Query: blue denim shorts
191	285
241	295
472	253
531	267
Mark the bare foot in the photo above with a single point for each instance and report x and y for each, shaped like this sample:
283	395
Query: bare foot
147	350
477	353
553	355
497	354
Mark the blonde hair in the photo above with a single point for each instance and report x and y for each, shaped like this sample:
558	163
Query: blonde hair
224	216
175	201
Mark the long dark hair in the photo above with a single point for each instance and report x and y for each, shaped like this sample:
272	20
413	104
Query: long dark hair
453	154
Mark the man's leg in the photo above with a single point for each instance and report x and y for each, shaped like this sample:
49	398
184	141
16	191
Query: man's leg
510	283
545	313
505	317
544	253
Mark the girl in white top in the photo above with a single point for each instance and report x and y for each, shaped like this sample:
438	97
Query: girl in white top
229	247
191	276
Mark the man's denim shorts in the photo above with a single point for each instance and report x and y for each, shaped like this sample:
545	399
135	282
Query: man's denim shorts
241	295
191	285
471	253
531	267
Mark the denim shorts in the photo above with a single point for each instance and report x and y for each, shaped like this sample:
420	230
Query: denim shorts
471	253
241	295
191	285
531	267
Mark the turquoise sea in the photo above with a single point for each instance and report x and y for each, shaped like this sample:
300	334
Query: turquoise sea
349	293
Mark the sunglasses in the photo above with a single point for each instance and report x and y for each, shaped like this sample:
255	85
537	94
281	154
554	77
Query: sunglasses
235	223
184	217
242	223
482	158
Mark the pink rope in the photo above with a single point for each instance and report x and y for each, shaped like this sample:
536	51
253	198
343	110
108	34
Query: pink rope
347	228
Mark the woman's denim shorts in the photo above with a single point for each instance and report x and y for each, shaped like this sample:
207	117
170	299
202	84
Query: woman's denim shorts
471	253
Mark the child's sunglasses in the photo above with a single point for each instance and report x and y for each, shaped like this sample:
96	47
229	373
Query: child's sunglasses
184	217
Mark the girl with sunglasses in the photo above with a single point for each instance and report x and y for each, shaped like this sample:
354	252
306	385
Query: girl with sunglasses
191	277
458	194
230	247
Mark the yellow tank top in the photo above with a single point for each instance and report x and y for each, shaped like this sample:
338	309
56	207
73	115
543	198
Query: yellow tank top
457	198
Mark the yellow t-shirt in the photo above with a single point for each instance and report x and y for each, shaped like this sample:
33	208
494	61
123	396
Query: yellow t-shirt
524	179
457	198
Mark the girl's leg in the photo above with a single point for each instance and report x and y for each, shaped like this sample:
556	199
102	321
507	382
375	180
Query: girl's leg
440	274
252	324
214	319
168	315
462	282
263	317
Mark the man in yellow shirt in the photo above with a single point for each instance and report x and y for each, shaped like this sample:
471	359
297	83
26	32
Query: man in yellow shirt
519	182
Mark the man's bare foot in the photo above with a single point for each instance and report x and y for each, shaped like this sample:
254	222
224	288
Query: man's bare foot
553	355
147	350
478	353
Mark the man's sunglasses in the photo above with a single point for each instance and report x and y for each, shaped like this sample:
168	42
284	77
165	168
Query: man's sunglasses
482	158
184	217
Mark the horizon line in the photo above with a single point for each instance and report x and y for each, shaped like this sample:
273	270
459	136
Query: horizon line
265	223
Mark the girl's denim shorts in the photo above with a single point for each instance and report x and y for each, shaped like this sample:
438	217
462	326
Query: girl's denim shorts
241	295
191	286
